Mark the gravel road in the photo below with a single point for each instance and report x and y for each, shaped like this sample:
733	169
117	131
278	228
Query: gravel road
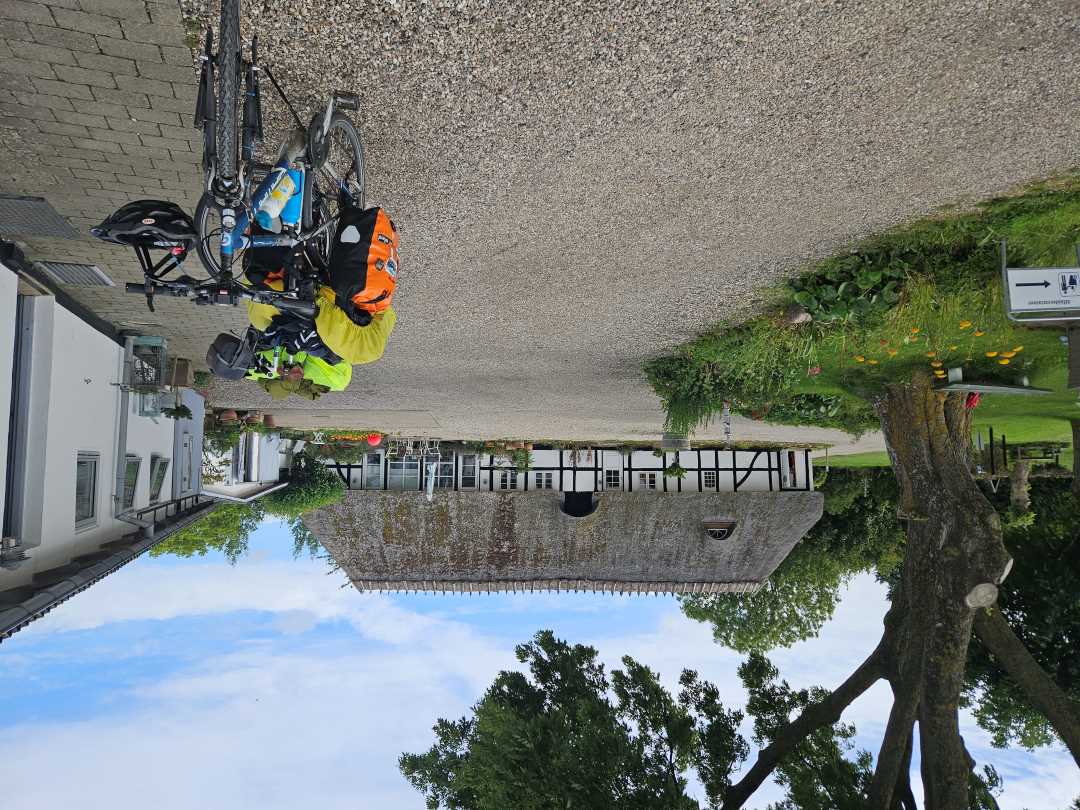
582	185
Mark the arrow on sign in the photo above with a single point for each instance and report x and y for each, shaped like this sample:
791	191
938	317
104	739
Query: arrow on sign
1033	284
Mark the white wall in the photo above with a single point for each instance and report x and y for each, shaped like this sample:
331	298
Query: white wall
80	406
9	299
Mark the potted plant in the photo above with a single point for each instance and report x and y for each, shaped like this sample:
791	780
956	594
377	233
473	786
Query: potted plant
180	411
675	471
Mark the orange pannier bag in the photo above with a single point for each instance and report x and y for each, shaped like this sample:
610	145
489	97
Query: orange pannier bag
364	262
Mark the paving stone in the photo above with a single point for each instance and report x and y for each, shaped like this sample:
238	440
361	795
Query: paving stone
121	9
49	139
30	113
43	53
182	105
62	38
57	88
27	67
80	118
102	108
27	12
127	125
89	23
112	64
176	55
180	74
127	49
99	145
153	32
93	174
171	144
124	97
146	151
115	136
15	29
157	116
79	75
60	128
151	87
39	100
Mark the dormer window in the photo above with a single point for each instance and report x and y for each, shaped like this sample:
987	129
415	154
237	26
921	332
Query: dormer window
719	529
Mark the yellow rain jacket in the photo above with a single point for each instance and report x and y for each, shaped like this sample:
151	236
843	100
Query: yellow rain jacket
333	377
353	344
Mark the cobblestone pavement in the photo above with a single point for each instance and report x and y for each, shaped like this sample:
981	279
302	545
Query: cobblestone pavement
578	186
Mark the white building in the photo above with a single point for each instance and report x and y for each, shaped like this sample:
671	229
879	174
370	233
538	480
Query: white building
589	470
88	483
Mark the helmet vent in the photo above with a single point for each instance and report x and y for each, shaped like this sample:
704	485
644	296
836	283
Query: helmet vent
32	216
76	275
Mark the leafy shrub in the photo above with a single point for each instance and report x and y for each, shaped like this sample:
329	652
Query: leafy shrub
225	528
311	485
221	437
675	471
848	288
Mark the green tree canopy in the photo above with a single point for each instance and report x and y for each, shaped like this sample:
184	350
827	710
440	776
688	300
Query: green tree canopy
225	528
567	735
858	532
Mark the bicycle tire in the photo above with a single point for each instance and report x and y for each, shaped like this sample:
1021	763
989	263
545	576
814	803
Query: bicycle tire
228	88
342	123
209	242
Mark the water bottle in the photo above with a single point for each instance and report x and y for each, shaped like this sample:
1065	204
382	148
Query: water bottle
279	189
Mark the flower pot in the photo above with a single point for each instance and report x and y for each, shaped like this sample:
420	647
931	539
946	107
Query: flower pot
269	421
228	415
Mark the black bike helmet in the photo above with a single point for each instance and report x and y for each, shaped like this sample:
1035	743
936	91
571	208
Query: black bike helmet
149	224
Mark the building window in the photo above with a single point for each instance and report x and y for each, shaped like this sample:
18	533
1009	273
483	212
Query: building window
468	472
647	480
719	529
544	480
86	473
708	479
131	479
158	467
373	472
612	479
444	478
508	479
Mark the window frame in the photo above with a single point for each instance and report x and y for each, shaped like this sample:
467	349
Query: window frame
93	458
648	480
705	475
156	462
125	502
609	475
507	480
544	480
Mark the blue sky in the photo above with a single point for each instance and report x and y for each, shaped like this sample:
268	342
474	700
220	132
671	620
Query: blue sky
269	685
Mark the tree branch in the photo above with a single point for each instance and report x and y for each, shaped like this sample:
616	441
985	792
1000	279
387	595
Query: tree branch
1062	712
903	797
823	713
896	745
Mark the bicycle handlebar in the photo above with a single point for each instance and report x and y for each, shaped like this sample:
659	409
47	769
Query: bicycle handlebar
212	293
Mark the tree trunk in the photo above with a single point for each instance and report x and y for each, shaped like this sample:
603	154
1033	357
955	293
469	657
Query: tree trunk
1076	457
1064	714
1019	486
953	562
823	713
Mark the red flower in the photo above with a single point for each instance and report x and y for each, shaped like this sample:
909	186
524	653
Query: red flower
972	400
814	371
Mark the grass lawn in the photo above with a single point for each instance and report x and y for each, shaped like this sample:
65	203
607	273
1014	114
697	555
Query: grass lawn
920	300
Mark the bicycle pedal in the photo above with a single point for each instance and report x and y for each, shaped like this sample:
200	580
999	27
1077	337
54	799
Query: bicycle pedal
347	101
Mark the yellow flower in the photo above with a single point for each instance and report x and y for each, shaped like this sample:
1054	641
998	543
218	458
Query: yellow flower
1004	361
991	354
953	348
965	324
1018	348
872	362
939	373
1008	354
914	330
892	352
931	354
860	359
979	333
936	364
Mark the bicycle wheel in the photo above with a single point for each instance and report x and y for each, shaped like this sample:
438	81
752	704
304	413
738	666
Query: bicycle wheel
228	88
208	227
339	164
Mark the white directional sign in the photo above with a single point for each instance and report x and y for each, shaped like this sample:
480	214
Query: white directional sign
1040	289
1047	294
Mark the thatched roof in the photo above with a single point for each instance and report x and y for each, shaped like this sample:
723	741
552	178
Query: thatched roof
634	542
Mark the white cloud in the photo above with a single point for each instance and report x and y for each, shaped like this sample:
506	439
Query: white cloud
322	724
